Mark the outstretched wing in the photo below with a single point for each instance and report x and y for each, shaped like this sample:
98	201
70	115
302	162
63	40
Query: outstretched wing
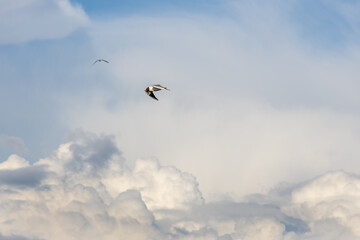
151	94
95	62
158	87
104	60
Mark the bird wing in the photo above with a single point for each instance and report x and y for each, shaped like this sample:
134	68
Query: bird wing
104	60
151	94
95	62
158	87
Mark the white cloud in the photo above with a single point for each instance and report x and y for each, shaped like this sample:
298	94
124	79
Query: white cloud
25	20
261	229
332	197
250	147
14	162
87	191
150	201
161	187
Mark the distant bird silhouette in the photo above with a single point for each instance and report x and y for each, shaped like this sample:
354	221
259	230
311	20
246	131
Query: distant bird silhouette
100	60
150	90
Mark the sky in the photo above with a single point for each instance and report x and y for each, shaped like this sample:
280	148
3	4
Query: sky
257	138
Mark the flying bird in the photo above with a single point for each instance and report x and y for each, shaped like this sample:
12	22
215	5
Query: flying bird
150	90
100	60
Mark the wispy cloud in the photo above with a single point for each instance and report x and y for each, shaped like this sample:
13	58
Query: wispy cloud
22	21
12	143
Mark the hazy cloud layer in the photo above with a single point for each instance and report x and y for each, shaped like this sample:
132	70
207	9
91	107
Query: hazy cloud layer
248	86
25	20
150	201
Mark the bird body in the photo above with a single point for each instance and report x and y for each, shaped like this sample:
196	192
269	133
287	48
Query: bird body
151	89
100	60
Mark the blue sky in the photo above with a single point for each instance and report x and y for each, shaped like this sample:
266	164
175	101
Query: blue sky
262	114
322	23
317	21
128	7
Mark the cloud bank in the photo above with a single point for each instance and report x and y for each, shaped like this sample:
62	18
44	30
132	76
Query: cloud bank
25	20
86	190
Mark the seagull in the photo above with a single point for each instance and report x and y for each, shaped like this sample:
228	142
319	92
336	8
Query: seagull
100	60
150	90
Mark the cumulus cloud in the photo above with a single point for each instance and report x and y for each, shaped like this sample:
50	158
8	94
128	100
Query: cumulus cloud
330	201
161	187
28	176
14	162
98	198
16	172
25	20
151	201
